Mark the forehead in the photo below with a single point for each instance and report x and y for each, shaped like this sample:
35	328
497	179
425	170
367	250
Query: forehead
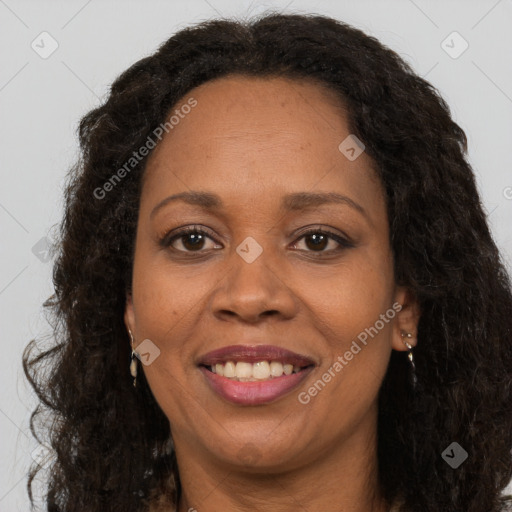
261	136
256	109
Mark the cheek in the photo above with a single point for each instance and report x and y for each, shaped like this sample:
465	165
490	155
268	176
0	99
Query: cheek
351	296
166	295
166	302
350	317
348	309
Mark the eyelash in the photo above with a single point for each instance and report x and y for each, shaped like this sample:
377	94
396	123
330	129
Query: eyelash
167	241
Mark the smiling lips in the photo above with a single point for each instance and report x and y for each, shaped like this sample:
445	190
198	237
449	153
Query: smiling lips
254	374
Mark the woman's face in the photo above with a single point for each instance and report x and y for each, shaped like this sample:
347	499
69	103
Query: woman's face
254	278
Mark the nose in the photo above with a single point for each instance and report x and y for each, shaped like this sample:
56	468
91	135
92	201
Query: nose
253	291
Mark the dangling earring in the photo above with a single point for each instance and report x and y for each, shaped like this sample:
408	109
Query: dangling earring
133	363
414	379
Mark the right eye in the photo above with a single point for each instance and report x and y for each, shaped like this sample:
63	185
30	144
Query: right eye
192	238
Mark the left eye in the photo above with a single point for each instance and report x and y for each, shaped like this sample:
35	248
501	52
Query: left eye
319	239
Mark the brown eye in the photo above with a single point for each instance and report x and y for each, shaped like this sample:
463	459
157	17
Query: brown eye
191	238
192	241
317	240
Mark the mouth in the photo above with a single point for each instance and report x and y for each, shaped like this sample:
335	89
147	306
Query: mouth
252	375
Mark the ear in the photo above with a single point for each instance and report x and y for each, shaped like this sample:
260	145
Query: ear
129	315
406	320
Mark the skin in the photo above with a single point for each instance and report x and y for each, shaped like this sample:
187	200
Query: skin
252	141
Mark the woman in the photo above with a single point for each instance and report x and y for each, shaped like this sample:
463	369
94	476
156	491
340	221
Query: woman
277	288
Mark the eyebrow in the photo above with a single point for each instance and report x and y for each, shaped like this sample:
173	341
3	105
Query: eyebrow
291	202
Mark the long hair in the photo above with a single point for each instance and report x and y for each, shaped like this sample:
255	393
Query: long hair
112	443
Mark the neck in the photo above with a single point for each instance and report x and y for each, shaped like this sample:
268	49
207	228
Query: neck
344	474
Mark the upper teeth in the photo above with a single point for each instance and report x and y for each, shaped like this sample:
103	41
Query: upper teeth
261	370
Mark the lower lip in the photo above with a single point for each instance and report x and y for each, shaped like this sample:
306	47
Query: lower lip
254	392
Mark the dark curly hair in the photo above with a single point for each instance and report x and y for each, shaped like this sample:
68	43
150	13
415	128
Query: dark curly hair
112	443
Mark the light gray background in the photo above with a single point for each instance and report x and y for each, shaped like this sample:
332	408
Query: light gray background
42	100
